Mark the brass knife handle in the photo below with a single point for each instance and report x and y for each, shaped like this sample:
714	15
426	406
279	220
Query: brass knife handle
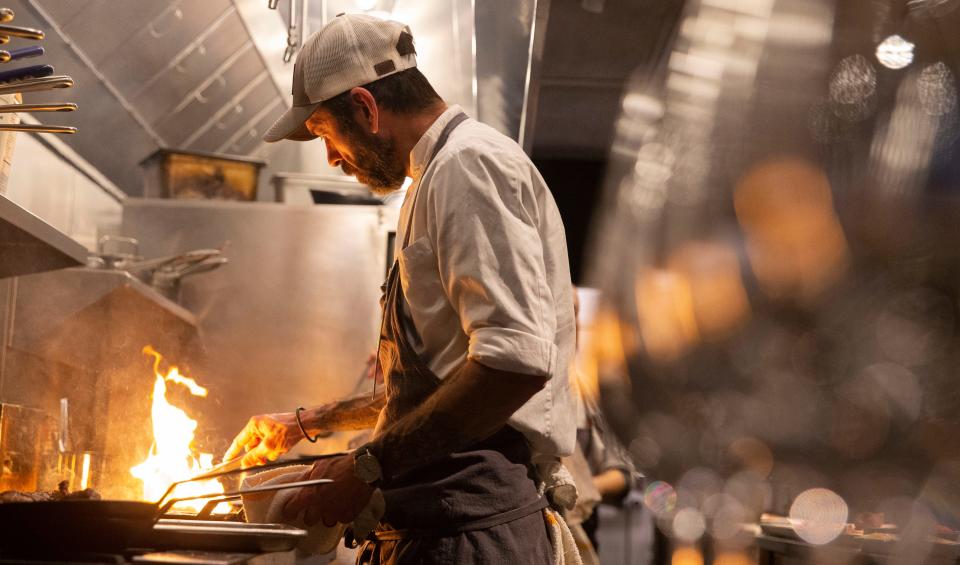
35	84
52	107
19	31
37	128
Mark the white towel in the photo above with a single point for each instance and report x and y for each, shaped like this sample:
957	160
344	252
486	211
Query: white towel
267	507
556	482
565	550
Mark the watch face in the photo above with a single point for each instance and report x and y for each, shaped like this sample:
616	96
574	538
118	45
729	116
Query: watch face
367	468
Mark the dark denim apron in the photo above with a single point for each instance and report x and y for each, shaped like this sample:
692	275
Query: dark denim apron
479	505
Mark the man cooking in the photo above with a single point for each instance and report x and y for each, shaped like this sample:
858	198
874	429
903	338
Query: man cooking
478	326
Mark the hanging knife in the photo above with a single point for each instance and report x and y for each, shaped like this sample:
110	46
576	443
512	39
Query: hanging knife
33	71
35	84
24	52
52	107
18	31
37	128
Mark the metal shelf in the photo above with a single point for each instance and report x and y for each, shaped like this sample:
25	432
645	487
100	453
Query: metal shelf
30	245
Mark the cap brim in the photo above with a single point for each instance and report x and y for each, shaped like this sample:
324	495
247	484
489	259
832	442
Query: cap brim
292	125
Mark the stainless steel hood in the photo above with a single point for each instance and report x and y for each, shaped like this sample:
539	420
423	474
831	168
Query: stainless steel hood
209	76
150	74
30	245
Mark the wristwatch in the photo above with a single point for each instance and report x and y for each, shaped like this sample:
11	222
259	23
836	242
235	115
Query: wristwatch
366	467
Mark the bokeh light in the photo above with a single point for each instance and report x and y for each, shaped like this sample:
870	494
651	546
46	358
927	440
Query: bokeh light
895	52
819	515
660	497
688	525
777	249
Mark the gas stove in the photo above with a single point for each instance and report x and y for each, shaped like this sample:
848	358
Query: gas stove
167	557
188	539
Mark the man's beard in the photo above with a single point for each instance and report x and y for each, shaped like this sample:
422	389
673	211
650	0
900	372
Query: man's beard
377	164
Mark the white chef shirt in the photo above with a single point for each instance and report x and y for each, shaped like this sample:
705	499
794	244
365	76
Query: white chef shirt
486	273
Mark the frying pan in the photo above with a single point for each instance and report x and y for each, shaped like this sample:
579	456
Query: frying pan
56	526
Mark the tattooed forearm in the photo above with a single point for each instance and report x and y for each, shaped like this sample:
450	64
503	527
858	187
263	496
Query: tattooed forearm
469	406
357	413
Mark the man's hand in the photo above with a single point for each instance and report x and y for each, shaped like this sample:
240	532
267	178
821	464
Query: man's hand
340	501
265	438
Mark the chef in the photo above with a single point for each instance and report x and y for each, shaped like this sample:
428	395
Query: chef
478	325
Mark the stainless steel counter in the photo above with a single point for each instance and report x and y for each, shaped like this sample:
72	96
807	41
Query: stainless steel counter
30	245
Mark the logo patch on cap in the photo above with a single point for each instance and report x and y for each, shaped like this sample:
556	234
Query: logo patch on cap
385	67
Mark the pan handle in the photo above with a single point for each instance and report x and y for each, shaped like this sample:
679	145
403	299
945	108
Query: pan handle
165	507
272	465
208	508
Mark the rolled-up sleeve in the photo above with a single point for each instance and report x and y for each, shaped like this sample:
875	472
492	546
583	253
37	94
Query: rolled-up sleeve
491	261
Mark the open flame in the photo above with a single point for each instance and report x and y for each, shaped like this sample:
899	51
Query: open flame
173	456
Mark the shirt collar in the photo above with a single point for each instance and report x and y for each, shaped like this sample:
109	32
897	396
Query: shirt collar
420	155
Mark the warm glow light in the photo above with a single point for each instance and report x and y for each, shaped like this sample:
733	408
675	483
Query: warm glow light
666	314
687	556
795	243
719	298
85	472
173	456
732	559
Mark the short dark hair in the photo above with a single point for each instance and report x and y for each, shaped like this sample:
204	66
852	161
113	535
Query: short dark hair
404	92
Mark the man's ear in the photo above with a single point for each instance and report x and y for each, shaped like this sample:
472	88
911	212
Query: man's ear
366	104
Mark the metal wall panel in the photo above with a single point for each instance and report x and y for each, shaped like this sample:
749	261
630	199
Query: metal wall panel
158	96
103	25
233	117
292	318
178	126
148	51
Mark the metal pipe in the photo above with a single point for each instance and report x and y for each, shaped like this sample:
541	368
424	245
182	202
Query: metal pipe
531	86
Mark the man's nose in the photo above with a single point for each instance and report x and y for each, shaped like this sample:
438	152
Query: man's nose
333	157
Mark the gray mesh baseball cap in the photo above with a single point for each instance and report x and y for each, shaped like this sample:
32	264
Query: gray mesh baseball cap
351	50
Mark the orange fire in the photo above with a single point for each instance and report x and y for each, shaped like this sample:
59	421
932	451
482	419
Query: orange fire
173	457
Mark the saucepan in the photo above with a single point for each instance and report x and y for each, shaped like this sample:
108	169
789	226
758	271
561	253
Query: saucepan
109	525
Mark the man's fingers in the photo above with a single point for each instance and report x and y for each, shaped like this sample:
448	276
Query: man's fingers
312	515
305	500
329	520
242	442
256	456
293	506
235	449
